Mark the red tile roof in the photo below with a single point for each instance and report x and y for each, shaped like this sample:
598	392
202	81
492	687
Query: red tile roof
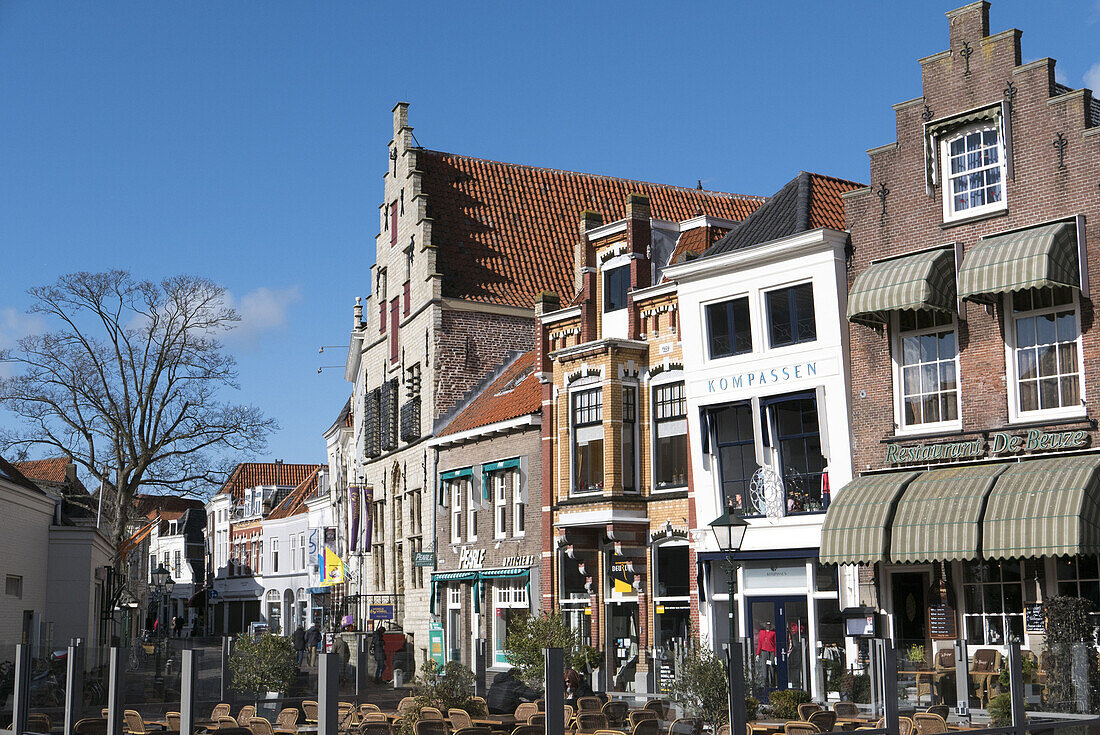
826	204
255	474
295	503
51	469
505	232
168	507
695	241
515	393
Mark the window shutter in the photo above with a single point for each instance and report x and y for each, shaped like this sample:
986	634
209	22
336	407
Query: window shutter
371	412
393	224
408	297
395	316
389	415
410	420
382	317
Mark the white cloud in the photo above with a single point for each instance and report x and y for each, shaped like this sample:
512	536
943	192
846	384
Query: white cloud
262	310
13	326
1092	78
1062	76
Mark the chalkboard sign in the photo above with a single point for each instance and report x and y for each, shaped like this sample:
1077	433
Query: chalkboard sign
1035	619
665	677
941	622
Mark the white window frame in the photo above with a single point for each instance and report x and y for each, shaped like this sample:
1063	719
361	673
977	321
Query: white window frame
500	504
949	213
664	379
1015	415
302	550
293	552
507	594
455	488
519	507
903	429
472	504
657	548
274	556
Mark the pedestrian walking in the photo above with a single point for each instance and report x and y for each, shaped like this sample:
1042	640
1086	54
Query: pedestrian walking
299	638
378	643
177	625
341	649
312	641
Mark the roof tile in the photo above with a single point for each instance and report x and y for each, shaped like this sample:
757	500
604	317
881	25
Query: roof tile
517	392
255	474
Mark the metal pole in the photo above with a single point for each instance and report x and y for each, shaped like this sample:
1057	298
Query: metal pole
479	664
890	686
737	687
1016	688
328	694
555	692
74	684
223	688
962	679
361	675
116	685
21	700
736	699
187	692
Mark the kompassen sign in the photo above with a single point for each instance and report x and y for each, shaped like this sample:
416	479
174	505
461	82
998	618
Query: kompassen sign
999	444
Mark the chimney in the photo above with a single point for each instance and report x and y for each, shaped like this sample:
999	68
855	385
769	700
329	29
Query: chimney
969	23
400	118
70	473
639	238
545	303
581	255
357	320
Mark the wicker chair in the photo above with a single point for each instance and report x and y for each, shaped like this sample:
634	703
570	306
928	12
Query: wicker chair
288	717
375	727
658	706
591	721
472	731
799	728
724	730
525	710
646	727
430	713
405	704
373	717
260	726
633	718
460	718
824	720
247	713
91	726
929	724
616	712
608	732
131	721
227	721
806	709
539	718
309	710
481	701
234	731
939	709
222	710
172	719
430	727
906	727
366	707
529	730
685	726
589	704
39	722
847	710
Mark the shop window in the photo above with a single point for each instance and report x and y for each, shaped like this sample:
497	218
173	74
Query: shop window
974	171
825	578
927	357
728	328
830	635
588	440
616	286
791	315
630	423
456	488
510	599
994	597
735	447
500	505
797	434
673	570
575	571
1079	576
670	415
1046	362
454	623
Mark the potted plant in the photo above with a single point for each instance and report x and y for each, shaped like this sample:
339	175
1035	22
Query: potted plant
701	687
443	687
915	656
266	664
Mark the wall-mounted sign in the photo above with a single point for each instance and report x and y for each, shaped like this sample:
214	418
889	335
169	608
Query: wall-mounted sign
999	444
941	622
470	558
435	645
423	558
768	376
519	561
1035	618
381	612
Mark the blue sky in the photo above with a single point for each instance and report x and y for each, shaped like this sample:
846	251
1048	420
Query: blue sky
245	140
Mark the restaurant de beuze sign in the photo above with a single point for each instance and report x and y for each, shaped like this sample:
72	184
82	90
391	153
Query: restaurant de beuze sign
999	444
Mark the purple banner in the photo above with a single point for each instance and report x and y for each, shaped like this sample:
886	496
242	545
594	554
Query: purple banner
353	511
368	524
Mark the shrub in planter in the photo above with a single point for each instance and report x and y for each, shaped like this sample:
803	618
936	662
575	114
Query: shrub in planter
446	687
752	708
529	634
784	703
1000	710
267	663
701	686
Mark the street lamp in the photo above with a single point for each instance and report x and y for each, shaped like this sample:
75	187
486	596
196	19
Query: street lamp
729	532
163	585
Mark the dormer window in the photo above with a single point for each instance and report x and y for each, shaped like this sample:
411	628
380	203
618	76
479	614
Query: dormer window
973	165
616	284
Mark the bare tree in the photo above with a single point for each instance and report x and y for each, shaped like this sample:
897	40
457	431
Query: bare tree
128	385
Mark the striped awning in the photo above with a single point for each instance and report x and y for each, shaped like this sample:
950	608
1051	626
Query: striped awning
857	524
1044	507
1039	257
939	516
918	281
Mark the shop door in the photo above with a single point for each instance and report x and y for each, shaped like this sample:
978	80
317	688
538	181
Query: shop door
910	613
623	641
780	644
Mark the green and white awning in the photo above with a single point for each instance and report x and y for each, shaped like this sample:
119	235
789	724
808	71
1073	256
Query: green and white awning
1039	257
857	525
938	517
918	281
1044	507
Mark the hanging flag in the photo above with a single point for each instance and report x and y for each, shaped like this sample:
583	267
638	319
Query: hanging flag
334	568
353	512
368	522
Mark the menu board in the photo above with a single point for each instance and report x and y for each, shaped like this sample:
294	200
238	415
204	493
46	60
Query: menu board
665	676
941	622
1035	618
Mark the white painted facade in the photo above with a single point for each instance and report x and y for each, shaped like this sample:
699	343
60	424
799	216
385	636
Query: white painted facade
778	558
285	579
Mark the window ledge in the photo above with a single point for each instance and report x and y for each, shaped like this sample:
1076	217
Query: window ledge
1037	421
948	224
940	429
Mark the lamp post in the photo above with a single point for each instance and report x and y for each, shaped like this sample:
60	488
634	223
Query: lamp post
729	531
163	585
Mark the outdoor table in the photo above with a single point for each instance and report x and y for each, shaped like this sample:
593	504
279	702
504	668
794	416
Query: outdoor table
496	722
767	726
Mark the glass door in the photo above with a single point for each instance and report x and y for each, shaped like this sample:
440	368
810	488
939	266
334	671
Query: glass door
623	641
780	645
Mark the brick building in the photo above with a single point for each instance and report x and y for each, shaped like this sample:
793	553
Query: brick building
464	246
616	474
767	406
488	539
974	421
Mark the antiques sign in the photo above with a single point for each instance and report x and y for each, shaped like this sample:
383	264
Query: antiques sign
999	444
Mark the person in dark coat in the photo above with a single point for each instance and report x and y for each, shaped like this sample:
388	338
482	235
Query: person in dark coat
299	638
340	648
378	645
507	692
312	640
575	687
